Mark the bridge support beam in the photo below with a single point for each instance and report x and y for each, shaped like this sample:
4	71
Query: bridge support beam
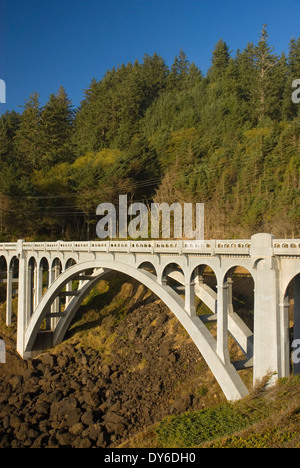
222	323
285	351
21	300
9	296
190	299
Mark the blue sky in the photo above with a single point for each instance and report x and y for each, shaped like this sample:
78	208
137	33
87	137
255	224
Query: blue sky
49	43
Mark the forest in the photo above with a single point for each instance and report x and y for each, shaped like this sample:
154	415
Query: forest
229	139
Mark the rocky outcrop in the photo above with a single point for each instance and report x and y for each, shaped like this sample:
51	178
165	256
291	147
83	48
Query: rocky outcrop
81	397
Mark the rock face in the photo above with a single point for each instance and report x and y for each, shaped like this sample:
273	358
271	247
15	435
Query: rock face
81	398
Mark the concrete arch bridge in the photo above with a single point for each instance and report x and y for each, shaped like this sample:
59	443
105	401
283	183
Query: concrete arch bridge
45	310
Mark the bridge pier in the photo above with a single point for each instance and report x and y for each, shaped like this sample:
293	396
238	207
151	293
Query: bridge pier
266	309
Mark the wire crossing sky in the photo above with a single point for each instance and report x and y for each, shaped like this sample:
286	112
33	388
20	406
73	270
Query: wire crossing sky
46	44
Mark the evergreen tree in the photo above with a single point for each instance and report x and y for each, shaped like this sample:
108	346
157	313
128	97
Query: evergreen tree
179	72
9	124
28	140
55	130
220	61
265	61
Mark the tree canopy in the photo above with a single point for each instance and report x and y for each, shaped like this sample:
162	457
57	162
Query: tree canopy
230	139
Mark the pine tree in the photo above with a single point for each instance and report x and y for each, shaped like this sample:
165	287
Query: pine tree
27	140
179	72
265	61
55	130
9	124
220	61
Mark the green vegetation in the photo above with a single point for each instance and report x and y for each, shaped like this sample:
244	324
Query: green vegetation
229	139
191	429
268	418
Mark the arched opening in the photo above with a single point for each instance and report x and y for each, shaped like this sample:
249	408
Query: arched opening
12	291
174	277
55	311
206	292
44	275
148	266
292	325
3	276
239	293
32	286
3	286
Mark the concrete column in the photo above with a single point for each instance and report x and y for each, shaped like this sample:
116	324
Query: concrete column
297	317
29	293
68	289
51	278
190	299
230	305
222	323
9	296
56	303
39	286
21	299
285	351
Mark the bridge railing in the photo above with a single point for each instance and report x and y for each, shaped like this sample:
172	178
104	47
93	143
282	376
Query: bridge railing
207	247
286	247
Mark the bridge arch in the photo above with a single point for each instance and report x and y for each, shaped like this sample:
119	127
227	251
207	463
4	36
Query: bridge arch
228	378
291	325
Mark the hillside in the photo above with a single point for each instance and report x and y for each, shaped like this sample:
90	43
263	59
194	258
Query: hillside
128	375
229	139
